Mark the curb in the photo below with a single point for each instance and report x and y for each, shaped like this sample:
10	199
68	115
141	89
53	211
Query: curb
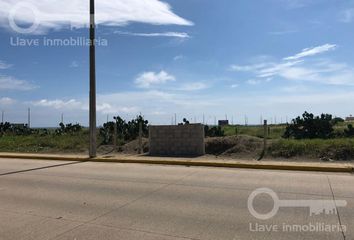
44	157
289	167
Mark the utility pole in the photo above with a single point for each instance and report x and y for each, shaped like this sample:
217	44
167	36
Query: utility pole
175	118
203	119
29	118
92	120
62	118
2	116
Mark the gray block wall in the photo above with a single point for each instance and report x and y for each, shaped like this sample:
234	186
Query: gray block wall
183	140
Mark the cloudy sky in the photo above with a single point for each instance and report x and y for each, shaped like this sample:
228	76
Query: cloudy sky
269	58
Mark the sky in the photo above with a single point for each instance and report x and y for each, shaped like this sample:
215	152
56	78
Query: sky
234	59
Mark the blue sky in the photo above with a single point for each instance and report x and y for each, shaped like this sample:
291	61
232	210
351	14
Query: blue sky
269	58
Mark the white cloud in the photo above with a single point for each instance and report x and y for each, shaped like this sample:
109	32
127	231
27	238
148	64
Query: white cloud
4	65
163	34
7	101
285	32
147	79
194	86
10	83
152	101
274	68
253	82
347	16
294	89
107	108
294	4
297	69
59	14
74	64
247	68
59	104
81	105
312	51
178	57
320	71
234	86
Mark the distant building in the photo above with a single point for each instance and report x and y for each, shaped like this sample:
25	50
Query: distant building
349	119
223	122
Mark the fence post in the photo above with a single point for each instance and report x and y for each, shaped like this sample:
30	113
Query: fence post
140	137
265	136
115	135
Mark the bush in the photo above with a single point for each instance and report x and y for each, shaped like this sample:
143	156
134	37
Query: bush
350	131
337	120
68	129
126	131
16	129
308	127
213	131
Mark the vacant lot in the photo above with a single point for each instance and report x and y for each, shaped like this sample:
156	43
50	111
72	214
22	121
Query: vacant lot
239	142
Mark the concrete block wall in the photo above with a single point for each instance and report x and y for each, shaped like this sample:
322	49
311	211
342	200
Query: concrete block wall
182	140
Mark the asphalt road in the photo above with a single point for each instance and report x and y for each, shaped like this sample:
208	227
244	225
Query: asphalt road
98	201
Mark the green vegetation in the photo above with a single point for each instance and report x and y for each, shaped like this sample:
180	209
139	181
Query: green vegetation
45	143
126	131
20	138
213	131
325	149
274	131
307	137
310	127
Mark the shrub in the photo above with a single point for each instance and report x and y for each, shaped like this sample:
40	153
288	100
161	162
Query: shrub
308	127
350	131
213	131
68	128
16	129
126	131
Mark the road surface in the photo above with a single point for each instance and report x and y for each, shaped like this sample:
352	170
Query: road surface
99	201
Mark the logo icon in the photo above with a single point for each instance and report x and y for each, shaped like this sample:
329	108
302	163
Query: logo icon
316	206
31	10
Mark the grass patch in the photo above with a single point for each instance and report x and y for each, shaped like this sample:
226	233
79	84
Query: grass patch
47	143
335	149
275	131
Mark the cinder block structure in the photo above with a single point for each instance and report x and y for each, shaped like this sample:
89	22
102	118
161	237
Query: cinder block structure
181	140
